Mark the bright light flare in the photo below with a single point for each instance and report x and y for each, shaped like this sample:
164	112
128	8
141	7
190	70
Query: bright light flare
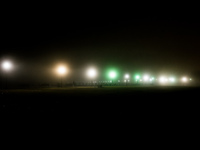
146	78
137	77
163	79
126	76
172	79
7	65
91	73
184	79
61	70
112	74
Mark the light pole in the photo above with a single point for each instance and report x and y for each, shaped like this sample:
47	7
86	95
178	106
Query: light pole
184	80
146	78
137	78
126	78
61	70
91	73
6	66
112	75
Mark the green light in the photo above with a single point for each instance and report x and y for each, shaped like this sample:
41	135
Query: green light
137	77
112	74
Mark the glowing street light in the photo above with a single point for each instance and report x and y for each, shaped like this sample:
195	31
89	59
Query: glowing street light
112	74
126	77
184	79
163	79
146	78
61	70
91	73
7	65
137	78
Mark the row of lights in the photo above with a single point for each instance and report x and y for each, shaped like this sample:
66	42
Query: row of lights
161	79
112	74
92	73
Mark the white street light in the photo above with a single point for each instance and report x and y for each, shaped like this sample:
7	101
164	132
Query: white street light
184	79
146	78
7	65
126	76
163	79
91	72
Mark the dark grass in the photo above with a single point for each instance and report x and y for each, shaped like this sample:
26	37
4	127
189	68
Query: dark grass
144	110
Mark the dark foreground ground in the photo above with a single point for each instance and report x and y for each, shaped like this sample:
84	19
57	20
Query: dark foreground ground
141	112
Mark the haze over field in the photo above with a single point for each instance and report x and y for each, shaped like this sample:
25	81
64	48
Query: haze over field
154	40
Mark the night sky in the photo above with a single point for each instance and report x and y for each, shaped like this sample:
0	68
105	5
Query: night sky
132	39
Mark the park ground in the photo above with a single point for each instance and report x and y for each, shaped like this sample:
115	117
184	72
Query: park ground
150	110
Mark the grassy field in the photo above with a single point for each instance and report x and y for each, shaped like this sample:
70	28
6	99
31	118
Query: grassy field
102	109
124	96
